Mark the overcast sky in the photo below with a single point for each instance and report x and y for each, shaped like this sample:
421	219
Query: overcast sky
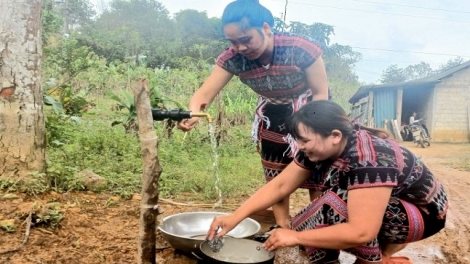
386	32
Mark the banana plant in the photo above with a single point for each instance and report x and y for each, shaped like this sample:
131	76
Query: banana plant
64	100
125	100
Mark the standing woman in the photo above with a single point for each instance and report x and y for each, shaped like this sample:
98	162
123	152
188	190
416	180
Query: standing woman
285	70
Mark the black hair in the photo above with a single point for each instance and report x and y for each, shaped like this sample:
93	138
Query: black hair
247	14
323	117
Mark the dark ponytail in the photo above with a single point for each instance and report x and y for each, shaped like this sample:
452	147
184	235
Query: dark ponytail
248	14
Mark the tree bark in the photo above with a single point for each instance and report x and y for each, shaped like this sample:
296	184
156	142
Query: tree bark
22	126
152	170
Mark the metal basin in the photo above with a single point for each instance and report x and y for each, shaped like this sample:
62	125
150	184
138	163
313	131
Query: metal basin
236	250
186	231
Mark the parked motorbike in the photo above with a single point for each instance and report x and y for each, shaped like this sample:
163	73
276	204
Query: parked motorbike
420	136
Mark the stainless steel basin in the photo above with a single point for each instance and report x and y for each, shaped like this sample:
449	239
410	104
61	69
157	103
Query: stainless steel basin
186	231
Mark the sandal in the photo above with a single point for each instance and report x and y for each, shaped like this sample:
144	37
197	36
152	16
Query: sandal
396	260
273	227
264	236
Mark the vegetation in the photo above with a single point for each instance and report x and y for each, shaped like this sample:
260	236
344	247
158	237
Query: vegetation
90	61
393	74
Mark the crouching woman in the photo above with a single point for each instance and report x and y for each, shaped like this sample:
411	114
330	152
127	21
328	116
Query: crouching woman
374	196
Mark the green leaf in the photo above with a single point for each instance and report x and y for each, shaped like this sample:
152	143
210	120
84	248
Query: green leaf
56	105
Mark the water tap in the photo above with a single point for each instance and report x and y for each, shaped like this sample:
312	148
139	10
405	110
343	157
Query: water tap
201	113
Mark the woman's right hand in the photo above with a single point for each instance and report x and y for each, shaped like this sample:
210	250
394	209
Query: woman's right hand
188	124
221	225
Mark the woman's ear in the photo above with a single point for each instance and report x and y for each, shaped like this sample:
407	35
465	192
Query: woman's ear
267	29
337	136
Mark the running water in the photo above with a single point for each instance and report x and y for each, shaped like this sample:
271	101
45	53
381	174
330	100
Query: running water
215	164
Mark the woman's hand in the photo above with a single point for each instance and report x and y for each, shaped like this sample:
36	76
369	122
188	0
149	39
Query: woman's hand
221	225
188	124
281	237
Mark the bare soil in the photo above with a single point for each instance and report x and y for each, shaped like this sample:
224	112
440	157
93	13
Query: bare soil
100	228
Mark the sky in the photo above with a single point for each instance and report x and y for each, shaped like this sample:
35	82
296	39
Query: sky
385	32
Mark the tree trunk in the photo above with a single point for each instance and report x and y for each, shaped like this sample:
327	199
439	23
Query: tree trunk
152	170
22	127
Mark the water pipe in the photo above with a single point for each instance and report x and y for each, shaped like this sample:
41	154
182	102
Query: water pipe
178	114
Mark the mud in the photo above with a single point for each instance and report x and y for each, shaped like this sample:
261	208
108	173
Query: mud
99	228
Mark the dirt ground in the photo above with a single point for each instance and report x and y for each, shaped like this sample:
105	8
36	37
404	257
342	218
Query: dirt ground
99	228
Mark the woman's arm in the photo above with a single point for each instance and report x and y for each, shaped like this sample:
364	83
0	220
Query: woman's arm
206	94
366	209
281	186
317	79
278	188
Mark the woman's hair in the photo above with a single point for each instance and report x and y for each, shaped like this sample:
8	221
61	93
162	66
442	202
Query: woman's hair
247	14
323	117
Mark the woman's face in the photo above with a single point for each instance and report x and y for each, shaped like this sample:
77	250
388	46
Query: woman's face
317	147
250	43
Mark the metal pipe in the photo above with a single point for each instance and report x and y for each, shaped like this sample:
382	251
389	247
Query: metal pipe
178	114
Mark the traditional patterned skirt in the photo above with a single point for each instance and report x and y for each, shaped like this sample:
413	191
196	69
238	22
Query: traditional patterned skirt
403	222
276	147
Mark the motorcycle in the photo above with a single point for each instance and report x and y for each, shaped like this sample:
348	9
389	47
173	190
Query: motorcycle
420	136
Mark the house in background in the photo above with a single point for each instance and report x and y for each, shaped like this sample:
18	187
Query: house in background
442	99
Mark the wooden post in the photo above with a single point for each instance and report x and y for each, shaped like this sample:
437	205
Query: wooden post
385	124
399	106
151	174
370	110
396	130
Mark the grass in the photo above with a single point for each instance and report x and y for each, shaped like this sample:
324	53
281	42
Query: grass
93	144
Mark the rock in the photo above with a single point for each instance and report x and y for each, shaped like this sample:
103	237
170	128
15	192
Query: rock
289	255
91	181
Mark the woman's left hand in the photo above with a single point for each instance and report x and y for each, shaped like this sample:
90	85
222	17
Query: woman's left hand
281	237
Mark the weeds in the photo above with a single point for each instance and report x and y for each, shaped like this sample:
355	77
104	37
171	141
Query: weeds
91	143
47	215
186	159
7	226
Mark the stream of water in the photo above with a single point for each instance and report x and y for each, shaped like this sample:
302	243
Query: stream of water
215	164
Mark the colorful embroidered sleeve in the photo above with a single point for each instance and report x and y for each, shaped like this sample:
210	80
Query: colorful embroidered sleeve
317	176
303	162
229	60
372	174
374	162
306	51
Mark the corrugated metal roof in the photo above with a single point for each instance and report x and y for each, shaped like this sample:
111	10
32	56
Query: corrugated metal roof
423	82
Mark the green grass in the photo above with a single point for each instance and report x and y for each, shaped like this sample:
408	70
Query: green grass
187	160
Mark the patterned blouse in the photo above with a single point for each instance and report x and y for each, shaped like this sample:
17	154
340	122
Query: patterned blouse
369	161
285	79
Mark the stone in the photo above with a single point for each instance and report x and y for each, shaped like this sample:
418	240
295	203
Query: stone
288	255
91	181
